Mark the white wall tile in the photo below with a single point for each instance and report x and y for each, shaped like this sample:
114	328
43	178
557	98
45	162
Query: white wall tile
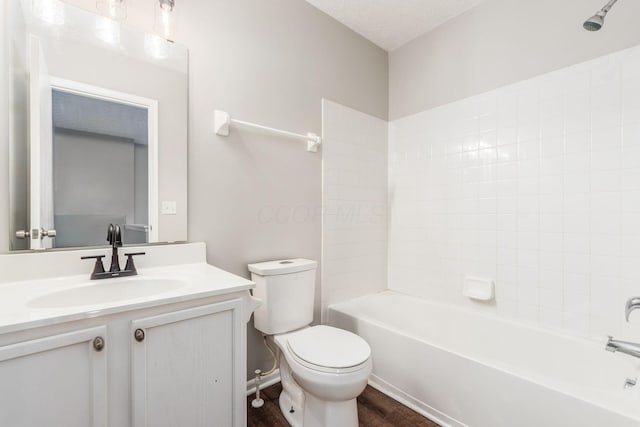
539	185
354	225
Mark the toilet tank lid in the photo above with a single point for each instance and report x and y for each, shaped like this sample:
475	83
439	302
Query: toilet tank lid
283	266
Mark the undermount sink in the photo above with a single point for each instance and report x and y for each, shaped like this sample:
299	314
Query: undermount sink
105	291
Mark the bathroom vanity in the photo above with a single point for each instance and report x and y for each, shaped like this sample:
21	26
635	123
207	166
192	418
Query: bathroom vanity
164	348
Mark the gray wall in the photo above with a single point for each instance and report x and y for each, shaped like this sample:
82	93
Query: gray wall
270	62
94	184
18	129
141	184
14	103
99	169
502	42
4	131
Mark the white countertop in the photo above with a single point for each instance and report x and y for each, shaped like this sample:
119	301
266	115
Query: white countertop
201	280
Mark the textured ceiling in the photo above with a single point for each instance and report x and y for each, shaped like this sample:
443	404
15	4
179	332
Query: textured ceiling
392	23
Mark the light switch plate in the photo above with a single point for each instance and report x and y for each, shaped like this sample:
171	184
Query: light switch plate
169	208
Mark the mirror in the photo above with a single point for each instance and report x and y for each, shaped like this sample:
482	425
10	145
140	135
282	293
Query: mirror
98	129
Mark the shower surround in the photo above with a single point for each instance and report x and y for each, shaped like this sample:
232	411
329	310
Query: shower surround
535	185
354	200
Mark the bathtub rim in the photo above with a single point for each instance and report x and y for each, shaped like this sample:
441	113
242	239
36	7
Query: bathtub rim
549	384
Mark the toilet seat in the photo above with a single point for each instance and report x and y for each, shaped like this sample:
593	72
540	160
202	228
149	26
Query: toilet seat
328	349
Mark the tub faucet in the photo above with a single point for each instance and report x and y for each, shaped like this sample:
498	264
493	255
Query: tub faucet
632	349
632	304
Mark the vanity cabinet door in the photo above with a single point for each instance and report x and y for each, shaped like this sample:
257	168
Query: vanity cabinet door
188	367
59	380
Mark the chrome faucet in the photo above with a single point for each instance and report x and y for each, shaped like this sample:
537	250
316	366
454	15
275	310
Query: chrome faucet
632	349
632	304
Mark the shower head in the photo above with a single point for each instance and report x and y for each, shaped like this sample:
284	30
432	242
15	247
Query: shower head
597	21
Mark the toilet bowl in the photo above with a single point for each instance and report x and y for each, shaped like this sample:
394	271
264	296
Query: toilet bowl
323	370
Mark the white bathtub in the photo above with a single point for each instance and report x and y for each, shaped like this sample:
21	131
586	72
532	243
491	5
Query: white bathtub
462	368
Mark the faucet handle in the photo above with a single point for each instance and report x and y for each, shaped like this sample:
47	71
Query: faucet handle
98	267
130	265
631	305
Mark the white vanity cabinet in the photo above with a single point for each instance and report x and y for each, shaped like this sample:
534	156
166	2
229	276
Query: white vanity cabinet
173	365
171	349
59	380
184	367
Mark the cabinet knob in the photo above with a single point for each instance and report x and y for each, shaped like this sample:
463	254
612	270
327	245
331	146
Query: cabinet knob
139	335
98	343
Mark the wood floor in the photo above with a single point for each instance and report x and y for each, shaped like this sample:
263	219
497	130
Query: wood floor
375	409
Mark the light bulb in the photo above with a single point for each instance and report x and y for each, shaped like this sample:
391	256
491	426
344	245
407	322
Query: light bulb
165	18
167	5
114	9
166	24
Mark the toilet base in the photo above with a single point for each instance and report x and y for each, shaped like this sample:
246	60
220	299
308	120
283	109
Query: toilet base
319	413
294	418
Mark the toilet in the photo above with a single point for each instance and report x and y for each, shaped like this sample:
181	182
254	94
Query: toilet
322	369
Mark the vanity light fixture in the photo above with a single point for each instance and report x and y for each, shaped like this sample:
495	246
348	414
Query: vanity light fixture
167	5
164	19
48	11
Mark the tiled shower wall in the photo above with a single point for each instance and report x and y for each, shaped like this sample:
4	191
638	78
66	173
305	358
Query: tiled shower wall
534	185
354	198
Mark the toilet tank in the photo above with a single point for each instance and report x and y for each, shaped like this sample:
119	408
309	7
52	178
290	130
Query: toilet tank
287	289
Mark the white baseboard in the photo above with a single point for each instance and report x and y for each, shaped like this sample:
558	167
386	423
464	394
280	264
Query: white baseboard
266	381
413	403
